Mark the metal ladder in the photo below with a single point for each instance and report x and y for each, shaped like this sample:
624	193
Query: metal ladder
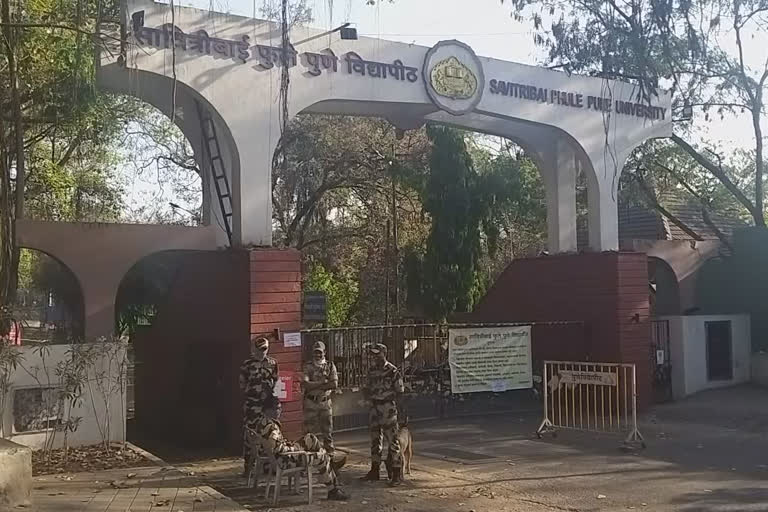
212	152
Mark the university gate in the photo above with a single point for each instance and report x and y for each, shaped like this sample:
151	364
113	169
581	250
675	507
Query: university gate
420	351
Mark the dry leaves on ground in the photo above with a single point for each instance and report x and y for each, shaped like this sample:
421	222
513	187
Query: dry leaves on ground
85	458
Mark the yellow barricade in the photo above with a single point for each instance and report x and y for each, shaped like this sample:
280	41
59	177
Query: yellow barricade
597	397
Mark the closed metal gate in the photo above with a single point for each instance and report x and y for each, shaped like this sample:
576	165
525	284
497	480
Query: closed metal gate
421	352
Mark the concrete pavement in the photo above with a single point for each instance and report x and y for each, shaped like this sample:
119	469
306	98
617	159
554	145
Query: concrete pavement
159	489
705	454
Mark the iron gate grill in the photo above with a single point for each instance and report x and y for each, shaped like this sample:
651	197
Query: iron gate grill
409	347
421	352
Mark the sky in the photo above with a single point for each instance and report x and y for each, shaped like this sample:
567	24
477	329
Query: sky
485	25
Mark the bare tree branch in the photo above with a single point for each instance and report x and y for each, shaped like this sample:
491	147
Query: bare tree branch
718	172
711	225
653	202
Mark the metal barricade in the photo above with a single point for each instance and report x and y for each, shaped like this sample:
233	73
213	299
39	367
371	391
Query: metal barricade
597	397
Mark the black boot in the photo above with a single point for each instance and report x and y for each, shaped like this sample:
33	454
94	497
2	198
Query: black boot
373	474
336	494
397	477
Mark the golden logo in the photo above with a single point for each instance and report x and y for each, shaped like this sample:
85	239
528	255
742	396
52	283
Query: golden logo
452	79
460	341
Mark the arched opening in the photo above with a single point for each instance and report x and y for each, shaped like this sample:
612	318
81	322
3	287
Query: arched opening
49	303
185	314
664	289
180	136
143	170
162	178
143	289
361	183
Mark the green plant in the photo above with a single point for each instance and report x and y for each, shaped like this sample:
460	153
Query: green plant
10	357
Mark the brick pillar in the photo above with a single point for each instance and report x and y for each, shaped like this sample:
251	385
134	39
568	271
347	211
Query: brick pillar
275	298
607	291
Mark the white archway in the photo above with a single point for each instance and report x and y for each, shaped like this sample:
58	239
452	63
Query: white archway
234	63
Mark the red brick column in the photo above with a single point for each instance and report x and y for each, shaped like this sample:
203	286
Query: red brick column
607	291
275	298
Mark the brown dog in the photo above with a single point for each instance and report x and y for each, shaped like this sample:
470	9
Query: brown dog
406	449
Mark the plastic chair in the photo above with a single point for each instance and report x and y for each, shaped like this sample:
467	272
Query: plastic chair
255	471
259	463
276	475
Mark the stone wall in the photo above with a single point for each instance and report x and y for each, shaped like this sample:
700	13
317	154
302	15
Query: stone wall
15	475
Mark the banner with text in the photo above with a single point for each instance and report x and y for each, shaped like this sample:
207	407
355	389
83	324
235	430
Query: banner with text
490	359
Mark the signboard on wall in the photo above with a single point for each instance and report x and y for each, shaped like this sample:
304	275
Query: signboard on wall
284	386
493	359
574	378
292	339
315	307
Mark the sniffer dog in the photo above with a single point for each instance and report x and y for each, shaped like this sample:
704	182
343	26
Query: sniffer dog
406	449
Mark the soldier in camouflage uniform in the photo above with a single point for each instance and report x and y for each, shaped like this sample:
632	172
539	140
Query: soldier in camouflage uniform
320	381
383	390
258	376
267	433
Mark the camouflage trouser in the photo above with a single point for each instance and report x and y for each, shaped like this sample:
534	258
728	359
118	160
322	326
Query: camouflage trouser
318	420
251	410
319	460
382	421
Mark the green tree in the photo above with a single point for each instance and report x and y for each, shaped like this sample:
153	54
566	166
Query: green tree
706	52
332	199
486	206
347	181
453	200
517	214
46	95
341	292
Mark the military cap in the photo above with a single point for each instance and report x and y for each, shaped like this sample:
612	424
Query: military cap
377	348
261	342
319	345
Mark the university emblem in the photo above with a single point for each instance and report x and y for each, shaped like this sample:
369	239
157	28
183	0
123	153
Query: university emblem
460	341
452	79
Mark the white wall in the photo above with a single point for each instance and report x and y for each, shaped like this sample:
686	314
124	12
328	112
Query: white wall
688	352
101	405
760	368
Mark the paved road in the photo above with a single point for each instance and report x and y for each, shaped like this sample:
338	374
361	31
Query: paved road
705	454
685	467
708	454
